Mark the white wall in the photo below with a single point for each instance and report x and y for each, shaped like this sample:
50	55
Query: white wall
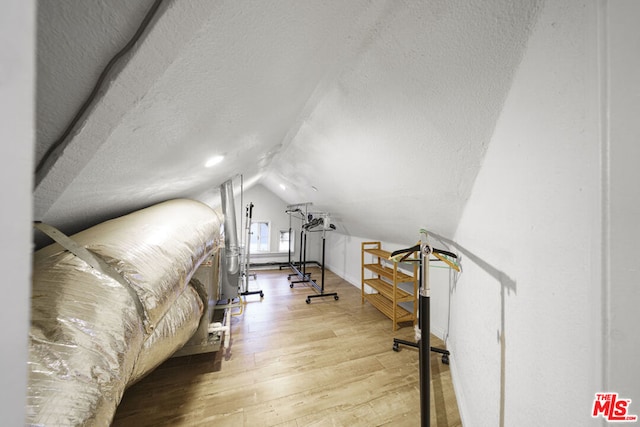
545	314
343	257
525	318
17	107
622	194
270	207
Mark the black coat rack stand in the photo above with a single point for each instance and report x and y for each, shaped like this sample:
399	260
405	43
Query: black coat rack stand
245	273
423	343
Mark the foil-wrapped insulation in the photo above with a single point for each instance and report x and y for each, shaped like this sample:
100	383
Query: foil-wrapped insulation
82	343
87	340
205	282
173	331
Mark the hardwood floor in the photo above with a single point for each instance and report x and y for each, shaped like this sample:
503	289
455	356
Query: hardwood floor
292	364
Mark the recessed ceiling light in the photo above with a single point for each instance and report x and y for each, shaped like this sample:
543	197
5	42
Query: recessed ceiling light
213	161
283	186
314	188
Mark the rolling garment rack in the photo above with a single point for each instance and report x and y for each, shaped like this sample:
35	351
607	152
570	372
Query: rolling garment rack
326	226
304	277
423	343
297	212
245	265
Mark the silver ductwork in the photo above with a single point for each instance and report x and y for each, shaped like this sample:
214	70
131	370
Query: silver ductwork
88	338
230	256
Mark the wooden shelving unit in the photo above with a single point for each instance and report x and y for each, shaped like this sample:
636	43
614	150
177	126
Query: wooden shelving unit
396	290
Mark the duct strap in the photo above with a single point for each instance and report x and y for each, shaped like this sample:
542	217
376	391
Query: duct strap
99	264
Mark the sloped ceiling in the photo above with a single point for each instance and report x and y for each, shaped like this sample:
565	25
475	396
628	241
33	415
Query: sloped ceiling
376	111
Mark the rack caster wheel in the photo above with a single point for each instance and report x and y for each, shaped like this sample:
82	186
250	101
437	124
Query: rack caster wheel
336	297
445	359
291	285
261	294
396	347
308	301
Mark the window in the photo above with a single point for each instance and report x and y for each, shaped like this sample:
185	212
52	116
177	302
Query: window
259	241
283	244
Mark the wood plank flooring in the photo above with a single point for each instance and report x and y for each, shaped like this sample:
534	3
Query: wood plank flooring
293	364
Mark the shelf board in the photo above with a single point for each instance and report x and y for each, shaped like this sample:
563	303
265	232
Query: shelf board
395	289
381	253
407	305
386	289
387	272
386	307
408	287
378	252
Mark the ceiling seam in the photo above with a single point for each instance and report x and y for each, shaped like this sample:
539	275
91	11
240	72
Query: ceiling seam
62	141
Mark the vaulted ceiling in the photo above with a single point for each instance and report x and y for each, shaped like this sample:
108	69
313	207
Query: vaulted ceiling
378	112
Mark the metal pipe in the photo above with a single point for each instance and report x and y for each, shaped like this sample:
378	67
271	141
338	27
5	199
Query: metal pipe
323	247
230	231
304	257
424	342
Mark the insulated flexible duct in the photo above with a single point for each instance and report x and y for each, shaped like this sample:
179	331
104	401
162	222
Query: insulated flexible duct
88	341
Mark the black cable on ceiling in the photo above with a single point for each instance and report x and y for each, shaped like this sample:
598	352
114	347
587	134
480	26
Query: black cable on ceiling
57	143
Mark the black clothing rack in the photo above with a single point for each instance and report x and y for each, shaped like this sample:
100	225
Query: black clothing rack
245	272
314	284
303	276
303	215
423	344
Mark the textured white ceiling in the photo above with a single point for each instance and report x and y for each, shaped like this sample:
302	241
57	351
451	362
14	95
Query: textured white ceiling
75	41
385	107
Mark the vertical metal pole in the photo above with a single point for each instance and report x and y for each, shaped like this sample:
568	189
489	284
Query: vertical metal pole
301	244
249	215
241	200
304	258
230	283
323	244
290	230
424	344
289	240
